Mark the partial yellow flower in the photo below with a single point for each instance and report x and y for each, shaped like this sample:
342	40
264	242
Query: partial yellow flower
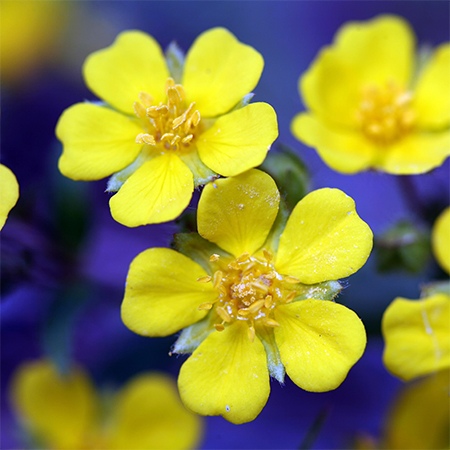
253	300
63	411
440	239
368	108
417	336
420	416
30	33
167	125
9	193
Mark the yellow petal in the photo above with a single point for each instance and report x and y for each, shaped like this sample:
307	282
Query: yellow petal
324	238
440	239
431	100
419	417
227	375
59	409
162	294
237	213
319	342
417	336
415	154
134	63
9	193
240	140
158	191
363	54
343	150
150	415
96	141
219	70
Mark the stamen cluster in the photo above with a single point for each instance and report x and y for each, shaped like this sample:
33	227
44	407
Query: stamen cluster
170	125
249	289
385	114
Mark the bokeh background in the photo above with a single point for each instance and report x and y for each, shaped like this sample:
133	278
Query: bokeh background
64	260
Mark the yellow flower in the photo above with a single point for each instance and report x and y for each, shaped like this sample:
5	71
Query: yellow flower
368	107
417	332
440	239
159	137
64	411
419	418
253	300
9	191
30	33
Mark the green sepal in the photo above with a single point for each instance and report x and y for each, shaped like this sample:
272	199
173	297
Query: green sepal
289	172
198	249
327	290
175	61
192	336
403	247
274	363
436	287
202	174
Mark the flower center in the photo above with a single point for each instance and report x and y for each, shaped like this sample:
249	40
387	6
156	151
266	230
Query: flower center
249	289
385	114
169	126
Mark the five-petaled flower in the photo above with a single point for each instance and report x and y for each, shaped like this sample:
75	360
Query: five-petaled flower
368	108
9	193
417	332
64	411
167	126
253	297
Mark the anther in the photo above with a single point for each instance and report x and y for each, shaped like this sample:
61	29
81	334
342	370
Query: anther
268	301
290	297
145	138
223	314
256	306
205	306
206	279
219	326
270	322
146	99
214	257
217	278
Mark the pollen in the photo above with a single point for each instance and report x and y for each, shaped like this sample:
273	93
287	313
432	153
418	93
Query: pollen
170	126
249	289
385	113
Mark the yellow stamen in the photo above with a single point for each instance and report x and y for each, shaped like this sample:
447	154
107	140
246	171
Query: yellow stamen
206	279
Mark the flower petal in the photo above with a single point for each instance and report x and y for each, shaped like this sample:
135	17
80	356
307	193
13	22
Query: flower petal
319	341
240	140
227	375
420	415
219	70
415	154
96	141
134	63
363	54
158	191
440	239
237	213
162	294
343	150
324	238
432	96
59	409
9	193
417	336
150	415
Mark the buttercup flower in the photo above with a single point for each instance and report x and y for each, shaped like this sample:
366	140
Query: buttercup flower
9	191
253	299
167	126
368	105
417	332
64	411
